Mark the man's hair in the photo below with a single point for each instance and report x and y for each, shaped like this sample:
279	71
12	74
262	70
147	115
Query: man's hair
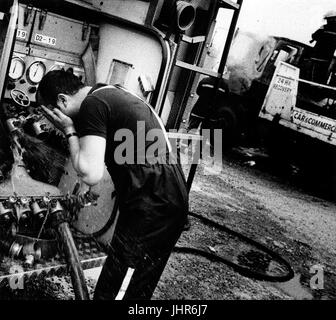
56	82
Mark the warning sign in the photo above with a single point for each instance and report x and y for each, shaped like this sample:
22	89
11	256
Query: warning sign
281	95
283	84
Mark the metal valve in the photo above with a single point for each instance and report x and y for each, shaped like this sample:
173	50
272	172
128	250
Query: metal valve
12	199
8	224
29	260
39	213
15	250
23	209
31	253
37	210
46	200
55	206
13	124
24	214
4	210
24	200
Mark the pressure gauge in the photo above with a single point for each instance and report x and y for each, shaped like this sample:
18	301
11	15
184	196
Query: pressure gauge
36	71
16	69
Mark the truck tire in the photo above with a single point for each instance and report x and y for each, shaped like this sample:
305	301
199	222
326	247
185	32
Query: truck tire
229	123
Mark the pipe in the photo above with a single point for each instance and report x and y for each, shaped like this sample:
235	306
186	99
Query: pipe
10	247
185	15
72	258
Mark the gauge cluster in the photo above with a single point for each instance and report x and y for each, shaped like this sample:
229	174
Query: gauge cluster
20	108
26	72
34	73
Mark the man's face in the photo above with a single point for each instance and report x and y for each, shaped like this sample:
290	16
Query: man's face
65	103
68	104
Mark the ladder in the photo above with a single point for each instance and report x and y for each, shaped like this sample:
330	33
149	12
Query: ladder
195	68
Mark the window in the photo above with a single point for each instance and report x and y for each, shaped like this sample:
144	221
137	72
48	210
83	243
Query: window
119	72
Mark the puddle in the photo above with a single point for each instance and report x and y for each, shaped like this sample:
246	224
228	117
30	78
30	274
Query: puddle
294	289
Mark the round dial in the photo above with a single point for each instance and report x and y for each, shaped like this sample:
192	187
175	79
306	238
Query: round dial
16	69
36	72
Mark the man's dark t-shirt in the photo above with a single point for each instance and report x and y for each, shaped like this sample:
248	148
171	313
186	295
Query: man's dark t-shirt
153	197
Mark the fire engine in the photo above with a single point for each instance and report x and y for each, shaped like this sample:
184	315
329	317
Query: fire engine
154	48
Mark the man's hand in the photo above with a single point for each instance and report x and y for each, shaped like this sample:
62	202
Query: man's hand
87	153
59	119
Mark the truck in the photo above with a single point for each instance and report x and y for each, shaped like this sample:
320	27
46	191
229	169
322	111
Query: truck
281	97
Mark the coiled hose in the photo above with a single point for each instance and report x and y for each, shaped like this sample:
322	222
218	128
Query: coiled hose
245	271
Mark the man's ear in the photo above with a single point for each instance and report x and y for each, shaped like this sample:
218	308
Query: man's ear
62	99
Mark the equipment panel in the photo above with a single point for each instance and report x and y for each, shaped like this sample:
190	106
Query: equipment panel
60	33
26	72
44	42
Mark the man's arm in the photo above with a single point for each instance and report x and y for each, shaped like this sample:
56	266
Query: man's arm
87	153
87	157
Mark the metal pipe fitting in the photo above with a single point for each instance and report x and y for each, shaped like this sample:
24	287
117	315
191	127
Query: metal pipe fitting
15	250
23	211
31	252
185	15
12	199
7	220
73	261
46	200
55	206
4	210
29	260
10	247
40	130
13	124
37	210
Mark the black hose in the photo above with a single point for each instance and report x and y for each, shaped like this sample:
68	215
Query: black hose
245	271
83	235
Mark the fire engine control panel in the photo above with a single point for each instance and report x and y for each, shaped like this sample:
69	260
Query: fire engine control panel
44	41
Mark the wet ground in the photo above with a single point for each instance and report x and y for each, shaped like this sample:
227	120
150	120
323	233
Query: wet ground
248	197
267	208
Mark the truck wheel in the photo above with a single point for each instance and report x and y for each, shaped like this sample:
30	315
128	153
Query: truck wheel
228	122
